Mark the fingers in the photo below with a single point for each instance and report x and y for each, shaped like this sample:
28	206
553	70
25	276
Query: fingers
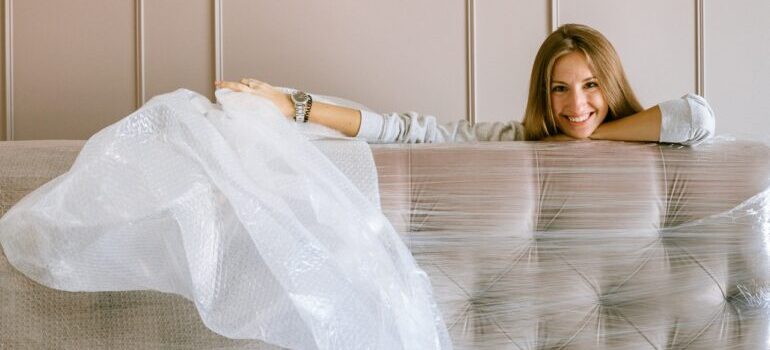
235	86
252	86
262	89
256	85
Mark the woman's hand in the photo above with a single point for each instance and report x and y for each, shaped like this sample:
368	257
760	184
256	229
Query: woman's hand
262	89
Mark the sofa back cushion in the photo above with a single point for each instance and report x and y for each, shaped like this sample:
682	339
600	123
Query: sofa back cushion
587	244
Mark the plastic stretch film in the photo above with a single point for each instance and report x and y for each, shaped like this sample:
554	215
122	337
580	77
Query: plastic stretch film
589	244
230	207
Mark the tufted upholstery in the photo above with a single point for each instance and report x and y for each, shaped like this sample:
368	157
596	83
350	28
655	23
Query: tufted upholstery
587	245
592	245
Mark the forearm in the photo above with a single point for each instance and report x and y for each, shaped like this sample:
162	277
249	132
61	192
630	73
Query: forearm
642	126
346	120
343	119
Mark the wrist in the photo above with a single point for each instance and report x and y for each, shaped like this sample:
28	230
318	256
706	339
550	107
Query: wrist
285	105
597	134
302	103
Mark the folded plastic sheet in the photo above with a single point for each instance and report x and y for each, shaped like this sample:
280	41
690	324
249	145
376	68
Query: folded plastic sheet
589	245
233	209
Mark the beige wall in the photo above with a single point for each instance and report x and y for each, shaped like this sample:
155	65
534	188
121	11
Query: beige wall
80	65
389	55
75	74
737	64
179	46
508	34
654	38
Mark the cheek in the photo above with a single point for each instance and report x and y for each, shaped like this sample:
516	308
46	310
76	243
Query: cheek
556	104
598	101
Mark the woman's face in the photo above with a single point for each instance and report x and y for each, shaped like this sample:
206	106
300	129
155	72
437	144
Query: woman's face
577	101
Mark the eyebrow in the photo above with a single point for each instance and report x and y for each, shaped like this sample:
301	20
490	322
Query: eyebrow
561	82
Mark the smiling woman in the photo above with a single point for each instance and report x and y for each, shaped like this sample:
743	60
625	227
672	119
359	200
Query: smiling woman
576	98
578	90
578	83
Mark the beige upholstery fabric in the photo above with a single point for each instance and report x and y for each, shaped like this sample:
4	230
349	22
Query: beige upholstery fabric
36	317
594	245
588	245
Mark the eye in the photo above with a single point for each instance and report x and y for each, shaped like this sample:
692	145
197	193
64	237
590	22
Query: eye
558	88
592	84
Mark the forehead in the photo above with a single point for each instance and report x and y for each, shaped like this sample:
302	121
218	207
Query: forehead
571	67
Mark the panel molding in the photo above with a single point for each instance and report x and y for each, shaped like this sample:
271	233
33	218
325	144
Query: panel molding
470	39
554	15
139	41
9	134
700	57
218	42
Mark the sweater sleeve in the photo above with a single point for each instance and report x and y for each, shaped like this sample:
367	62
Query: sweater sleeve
688	120
412	127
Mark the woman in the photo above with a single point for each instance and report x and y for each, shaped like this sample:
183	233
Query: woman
229	207
578	90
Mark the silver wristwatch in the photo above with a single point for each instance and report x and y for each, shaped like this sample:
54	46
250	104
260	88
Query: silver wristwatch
302	103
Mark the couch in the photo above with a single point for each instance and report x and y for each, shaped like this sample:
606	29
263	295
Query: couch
529	245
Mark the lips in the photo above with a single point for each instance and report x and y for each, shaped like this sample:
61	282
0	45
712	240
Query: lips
581	119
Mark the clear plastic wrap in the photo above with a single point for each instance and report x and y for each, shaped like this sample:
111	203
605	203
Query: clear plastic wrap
589	245
236	211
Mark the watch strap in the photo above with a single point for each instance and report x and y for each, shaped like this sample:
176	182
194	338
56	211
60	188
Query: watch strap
302	104
307	108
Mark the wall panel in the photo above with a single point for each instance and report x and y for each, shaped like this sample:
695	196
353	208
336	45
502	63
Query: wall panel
3	119
390	55
737	44
508	34
75	62
179	46
73	66
654	38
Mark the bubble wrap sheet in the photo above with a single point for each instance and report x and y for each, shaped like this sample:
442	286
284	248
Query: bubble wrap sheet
235	210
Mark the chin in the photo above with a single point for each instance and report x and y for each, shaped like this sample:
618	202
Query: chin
578	135
582	136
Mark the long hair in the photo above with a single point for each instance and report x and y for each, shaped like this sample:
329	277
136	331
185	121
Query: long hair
604	62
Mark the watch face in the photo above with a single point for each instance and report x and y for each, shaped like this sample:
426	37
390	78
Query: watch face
299	97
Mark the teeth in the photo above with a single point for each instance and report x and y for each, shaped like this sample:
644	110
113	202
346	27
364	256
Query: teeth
579	119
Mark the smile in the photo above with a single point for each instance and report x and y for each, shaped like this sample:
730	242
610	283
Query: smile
581	119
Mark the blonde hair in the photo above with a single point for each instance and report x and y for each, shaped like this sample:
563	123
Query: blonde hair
603	60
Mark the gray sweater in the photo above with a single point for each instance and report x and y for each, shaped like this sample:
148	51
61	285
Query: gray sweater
688	120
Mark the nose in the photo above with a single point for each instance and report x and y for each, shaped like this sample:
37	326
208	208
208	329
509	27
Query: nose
577	99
